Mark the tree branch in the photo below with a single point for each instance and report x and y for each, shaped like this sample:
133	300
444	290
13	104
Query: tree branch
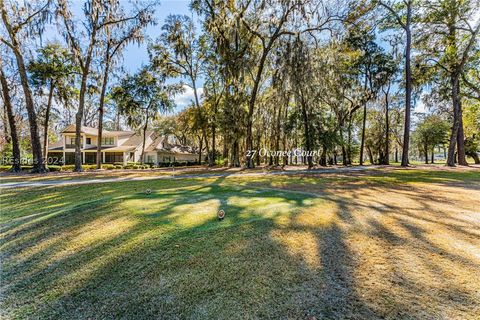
397	17
27	20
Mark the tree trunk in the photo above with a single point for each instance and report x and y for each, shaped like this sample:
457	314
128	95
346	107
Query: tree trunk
11	122
455	83
306	126
433	155
38	161
81	102
475	157
78	124
362	143
200	146
225	148
408	88
144	137
344	156
257	159
234	157
101	108
251	106
370	155
387	132
211	159
47	119
425	149
202	120
349	141
323	157
8	138
462	160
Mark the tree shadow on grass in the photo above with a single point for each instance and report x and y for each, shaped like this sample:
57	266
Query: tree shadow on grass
233	268
254	264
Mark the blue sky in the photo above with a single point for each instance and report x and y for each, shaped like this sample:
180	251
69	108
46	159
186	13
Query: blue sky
134	56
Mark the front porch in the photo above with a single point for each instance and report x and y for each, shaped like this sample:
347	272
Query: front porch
90	157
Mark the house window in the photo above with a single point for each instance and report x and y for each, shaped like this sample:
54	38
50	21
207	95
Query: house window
107	141
89	140
69	142
112	157
132	156
90	157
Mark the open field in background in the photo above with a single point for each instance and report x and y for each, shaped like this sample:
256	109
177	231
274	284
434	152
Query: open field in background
383	243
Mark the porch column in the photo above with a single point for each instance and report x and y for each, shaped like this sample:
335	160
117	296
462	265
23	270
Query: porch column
83	157
125	158
103	157
64	160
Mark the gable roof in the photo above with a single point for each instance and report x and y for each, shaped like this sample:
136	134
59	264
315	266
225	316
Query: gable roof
157	141
136	139
161	144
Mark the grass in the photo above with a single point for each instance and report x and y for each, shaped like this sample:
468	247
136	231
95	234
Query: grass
401	243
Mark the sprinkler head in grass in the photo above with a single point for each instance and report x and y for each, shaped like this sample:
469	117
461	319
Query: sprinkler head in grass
148	192
221	215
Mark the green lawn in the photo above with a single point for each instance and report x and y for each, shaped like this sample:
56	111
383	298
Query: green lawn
381	244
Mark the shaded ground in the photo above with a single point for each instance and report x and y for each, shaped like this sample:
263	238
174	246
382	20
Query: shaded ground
372	244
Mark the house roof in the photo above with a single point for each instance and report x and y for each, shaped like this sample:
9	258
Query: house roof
161	144
56	145
112	149
156	142
94	131
136	139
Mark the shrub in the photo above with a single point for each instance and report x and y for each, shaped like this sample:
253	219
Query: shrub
53	168
118	167
68	167
133	163
5	168
108	166
220	162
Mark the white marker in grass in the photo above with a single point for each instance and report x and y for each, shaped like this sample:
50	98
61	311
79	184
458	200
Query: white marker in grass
221	214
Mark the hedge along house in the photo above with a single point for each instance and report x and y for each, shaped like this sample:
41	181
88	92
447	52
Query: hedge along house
117	147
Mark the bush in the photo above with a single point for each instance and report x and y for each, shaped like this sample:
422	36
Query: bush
133	163
53	168
118	167
5	168
68	167
221	162
108	166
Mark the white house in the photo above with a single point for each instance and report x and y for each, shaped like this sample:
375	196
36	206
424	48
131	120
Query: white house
119	147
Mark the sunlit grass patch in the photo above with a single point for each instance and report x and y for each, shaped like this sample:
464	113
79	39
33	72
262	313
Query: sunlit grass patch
329	246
